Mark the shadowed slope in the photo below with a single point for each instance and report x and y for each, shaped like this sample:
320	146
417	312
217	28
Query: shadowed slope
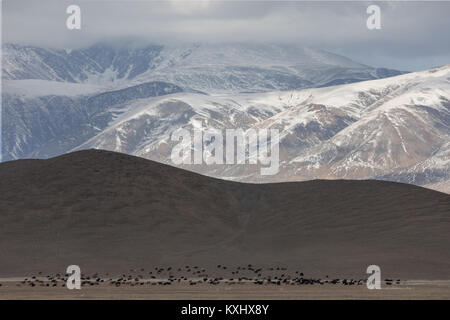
109	212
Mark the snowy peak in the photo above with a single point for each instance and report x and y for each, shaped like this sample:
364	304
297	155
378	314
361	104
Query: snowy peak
407	123
99	64
203	67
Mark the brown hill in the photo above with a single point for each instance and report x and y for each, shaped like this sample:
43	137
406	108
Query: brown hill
109	212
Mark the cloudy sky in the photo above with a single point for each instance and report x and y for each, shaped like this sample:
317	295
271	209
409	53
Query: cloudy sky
414	35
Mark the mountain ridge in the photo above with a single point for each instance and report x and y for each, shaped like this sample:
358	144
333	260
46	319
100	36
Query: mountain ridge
202	67
109	212
389	128
383	127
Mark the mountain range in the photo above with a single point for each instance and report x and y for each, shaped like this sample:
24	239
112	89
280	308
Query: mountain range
226	68
337	118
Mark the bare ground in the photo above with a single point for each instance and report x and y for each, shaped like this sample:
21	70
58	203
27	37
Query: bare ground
405	291
110	212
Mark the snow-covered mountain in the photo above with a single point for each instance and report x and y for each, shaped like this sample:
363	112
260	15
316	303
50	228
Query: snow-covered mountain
39	124
204	67
395	128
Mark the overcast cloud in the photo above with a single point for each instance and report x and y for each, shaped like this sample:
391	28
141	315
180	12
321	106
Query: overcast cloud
414	35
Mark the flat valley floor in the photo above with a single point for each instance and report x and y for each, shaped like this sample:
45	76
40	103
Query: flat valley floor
407	291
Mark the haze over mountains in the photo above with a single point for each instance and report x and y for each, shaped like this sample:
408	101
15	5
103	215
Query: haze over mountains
110	212
131	100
